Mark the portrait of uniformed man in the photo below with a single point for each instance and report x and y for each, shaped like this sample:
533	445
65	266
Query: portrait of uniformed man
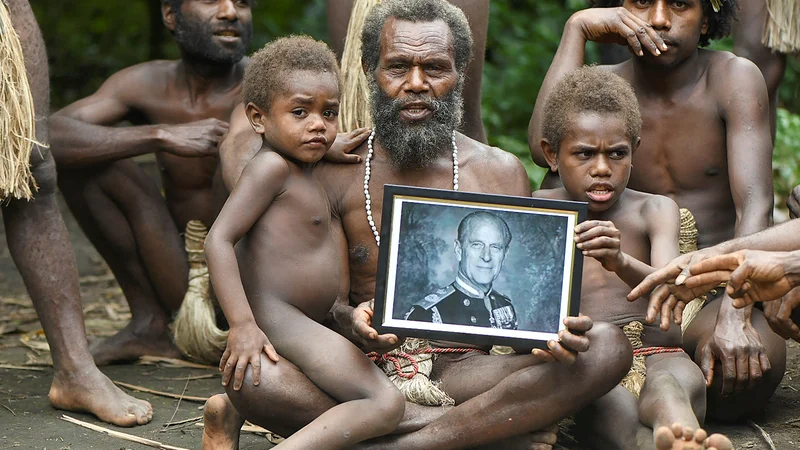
481	249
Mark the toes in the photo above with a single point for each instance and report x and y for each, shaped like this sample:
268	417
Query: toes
665	437
718	442
700	435
545	438
541	447
142	410
677	430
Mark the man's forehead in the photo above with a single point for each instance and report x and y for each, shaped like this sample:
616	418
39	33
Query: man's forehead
484	227
403	37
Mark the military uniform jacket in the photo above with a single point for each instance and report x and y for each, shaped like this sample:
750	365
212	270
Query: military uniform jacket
461	304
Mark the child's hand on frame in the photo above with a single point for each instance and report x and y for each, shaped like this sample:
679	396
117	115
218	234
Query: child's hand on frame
245	345
599	239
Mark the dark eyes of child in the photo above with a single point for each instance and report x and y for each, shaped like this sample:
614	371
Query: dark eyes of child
618	154
301	113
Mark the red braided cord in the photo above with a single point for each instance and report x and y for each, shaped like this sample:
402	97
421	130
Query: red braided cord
647	351
395	358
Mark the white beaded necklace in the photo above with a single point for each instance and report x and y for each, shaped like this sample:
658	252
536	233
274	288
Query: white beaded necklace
367	176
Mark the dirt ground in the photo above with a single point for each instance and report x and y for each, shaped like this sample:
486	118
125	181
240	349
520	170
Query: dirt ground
27	421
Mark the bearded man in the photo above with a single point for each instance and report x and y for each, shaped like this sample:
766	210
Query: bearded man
415	53
178	110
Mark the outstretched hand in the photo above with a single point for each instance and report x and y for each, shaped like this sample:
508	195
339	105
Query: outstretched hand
571	341
339	151
752	275
370	340
668	294
245	345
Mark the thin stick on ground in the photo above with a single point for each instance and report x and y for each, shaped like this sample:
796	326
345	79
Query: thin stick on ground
188	398
179	402
767	438
15	367
173	362
120	435
12	411
184	421
194	377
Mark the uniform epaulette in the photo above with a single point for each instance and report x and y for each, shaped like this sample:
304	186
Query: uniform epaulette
432	299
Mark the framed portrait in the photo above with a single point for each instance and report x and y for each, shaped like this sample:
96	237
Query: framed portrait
477	268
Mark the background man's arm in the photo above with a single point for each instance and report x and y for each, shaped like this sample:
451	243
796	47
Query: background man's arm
83	133
745	109
570	55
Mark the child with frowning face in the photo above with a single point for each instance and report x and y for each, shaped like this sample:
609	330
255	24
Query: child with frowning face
591	129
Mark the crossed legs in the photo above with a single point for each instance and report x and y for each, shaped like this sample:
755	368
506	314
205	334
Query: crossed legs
498	397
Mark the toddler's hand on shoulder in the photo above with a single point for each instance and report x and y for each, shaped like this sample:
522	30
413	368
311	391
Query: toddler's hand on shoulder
345	143
245	345
599	239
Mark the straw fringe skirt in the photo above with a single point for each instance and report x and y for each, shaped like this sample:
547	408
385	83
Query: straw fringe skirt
17	118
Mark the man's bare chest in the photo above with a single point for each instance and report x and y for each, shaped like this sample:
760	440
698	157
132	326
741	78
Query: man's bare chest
182	110
683	148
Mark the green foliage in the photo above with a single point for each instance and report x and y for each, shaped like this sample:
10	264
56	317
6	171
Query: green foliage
785	164
89	40
522	40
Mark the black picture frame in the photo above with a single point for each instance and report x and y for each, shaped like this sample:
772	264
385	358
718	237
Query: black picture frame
429	216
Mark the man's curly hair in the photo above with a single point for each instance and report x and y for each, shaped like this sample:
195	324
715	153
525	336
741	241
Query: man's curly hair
416	11
269	67
720	24
589	89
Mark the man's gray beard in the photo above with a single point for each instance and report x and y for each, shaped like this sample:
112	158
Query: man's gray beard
415	144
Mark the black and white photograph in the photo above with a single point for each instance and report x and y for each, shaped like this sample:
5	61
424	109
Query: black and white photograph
477	268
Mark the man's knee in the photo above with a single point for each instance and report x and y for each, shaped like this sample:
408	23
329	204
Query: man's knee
389	407
610	353
43	169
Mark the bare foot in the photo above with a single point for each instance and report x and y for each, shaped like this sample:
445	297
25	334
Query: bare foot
221	424
93	392
539	440
131	343
677	437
